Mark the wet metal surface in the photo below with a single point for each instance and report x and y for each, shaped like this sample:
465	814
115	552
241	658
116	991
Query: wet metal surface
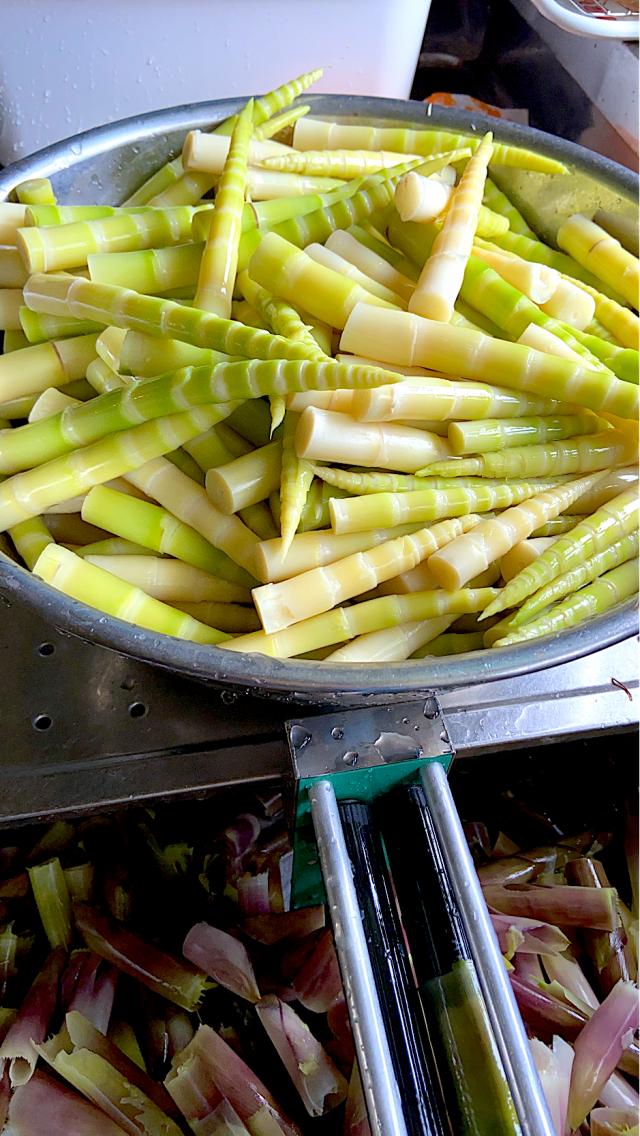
84	727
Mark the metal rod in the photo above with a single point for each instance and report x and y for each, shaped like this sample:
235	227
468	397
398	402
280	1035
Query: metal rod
469	1064
411	1052
511	1038
372	1048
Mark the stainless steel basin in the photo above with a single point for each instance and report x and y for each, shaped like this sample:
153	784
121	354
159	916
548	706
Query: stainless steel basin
105	165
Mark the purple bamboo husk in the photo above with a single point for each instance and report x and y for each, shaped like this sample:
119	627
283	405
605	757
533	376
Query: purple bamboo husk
342	1047
253	894
192	1088
176	981
294	956
232	1038
509	939
616	966
16	887
67	1114
618	1093
630	1060
180	1030
356	1117
631	946
317	983
285	870
223	1121
606	949
223	958
551	879
319	1083
241	835
564	906
613	1122
544	1014
233	1079
504	846
89	986
527	968
572	994
5	1095
280	925
535	937
478	839
514	869
586	872
565	970
84	1035
155	1040
530	863
124	1103
33	1019
599	1048
9	856
554	1069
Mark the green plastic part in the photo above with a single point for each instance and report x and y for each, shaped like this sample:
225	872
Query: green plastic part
367	785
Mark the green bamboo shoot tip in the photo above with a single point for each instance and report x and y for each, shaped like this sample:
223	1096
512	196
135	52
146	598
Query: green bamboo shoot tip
441	278
594	599
472	552
220	257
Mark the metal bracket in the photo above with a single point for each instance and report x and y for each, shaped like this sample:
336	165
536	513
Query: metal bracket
364	753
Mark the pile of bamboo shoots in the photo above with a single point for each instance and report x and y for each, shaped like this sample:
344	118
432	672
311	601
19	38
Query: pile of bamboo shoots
325	397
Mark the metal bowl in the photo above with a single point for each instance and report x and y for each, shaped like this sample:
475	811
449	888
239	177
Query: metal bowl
104	166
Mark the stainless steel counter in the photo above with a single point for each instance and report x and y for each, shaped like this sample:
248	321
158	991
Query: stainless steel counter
85	728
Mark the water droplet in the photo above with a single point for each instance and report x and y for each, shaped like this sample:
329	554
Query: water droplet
350	757
337	733
430	710
228	697
299	736
397	747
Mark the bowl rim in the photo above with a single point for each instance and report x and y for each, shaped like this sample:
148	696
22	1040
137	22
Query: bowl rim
300	680
188	116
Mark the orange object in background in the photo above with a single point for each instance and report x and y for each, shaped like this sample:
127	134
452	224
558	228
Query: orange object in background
467	102
464	102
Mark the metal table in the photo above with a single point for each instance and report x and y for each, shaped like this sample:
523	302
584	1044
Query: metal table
87	728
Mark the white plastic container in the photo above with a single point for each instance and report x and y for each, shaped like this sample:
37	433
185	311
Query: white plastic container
68	65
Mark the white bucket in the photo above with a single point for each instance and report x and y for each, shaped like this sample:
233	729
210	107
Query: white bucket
73	64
